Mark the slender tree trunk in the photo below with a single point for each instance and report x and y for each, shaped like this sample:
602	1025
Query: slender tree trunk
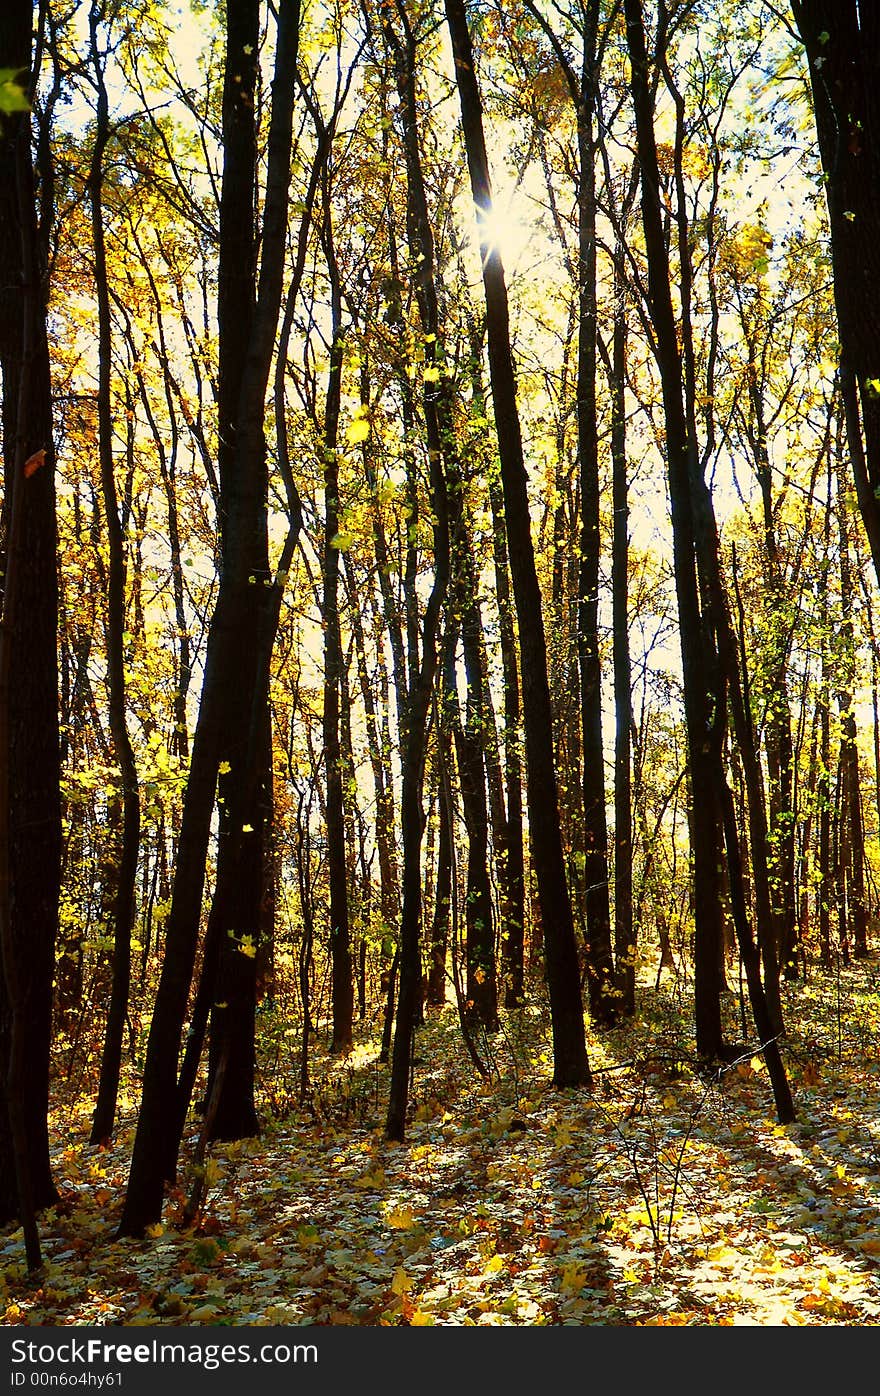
778	739
708	652
384	832
340	938
823	786
702	699
600	963
513	927
126	874
852	812
571	1067
234	699
438	940
436	406
624	927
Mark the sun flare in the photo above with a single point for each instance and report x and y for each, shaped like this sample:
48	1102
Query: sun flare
504	229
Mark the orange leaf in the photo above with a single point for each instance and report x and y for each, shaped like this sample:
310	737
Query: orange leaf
33	463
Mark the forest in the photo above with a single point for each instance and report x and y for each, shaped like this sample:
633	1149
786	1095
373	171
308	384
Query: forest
439	669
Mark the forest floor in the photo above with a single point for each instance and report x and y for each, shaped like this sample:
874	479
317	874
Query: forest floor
661	1197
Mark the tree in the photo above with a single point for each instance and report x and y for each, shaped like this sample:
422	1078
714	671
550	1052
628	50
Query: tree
124	893
708	659
571	1067
583	86
232	714
842	45
32	751
423	660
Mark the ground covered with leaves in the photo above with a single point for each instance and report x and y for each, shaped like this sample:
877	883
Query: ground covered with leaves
666	1195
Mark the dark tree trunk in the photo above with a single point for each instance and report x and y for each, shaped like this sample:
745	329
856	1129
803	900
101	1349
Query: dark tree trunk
33	762
438	940
439	431
470	741
342	992
571	1067
806	857
778	740
231	723
842	43
513	924
122	918
600	964
480	983
702	698
849	753
823	784
708	652
624	925
385	844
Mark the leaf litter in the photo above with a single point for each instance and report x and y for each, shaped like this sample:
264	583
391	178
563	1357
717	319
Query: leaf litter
665	1195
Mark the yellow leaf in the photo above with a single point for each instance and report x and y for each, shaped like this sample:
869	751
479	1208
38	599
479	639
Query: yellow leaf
494	1265
723	1255
156	1230
422	1319
358	430
402	1282
400	1218
574	1277
342	542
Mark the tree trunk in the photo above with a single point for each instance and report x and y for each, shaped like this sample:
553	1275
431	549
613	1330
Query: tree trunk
571	1067
842	43
852	812
126	873
235	689
702	698
624	927
513	926
339	930
439	431
33	810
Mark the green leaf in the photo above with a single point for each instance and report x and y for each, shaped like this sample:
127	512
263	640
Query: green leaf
13	96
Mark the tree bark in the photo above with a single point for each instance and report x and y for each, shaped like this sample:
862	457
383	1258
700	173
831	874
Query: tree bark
842	43
571	1066
423	657
33	810
126	872
235	689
